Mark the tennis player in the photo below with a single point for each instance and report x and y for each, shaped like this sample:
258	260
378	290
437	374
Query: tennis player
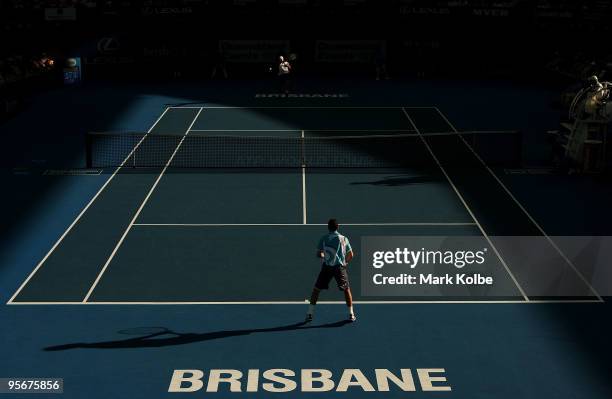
284	73
335	252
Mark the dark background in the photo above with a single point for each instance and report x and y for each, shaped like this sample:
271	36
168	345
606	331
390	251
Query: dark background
165	39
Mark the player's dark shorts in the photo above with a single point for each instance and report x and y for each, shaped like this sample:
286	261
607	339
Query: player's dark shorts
328	272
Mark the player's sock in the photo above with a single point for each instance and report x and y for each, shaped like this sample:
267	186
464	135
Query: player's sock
352	316
311	309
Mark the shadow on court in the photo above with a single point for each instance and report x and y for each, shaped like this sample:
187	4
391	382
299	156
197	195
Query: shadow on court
153	337
399	181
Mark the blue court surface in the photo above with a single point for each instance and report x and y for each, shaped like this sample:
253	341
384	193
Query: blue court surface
170	268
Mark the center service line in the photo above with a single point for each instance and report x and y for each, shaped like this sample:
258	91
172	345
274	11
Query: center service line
303	183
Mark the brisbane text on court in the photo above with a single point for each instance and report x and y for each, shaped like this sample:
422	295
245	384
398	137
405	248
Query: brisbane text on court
308	380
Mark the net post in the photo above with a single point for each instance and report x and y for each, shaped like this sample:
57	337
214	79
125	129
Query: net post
88	150
520	148
133	150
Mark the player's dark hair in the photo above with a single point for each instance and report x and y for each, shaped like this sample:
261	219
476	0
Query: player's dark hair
332	225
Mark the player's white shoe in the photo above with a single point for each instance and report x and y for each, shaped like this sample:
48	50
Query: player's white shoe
352	318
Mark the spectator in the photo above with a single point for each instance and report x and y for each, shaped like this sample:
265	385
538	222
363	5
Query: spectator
219	65
380	61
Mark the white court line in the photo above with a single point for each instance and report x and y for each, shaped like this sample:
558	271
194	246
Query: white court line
185	107
245	130
308	130
304	220
295	107
415	302
408	133
57	243
298	107
301	107
522	208
467	207
297	224
142	205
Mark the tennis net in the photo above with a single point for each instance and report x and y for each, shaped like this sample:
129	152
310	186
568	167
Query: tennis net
313	150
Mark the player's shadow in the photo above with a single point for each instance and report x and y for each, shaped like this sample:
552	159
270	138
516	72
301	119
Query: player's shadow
166	337
396	181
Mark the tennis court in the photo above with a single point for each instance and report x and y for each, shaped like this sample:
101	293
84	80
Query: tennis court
218	225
